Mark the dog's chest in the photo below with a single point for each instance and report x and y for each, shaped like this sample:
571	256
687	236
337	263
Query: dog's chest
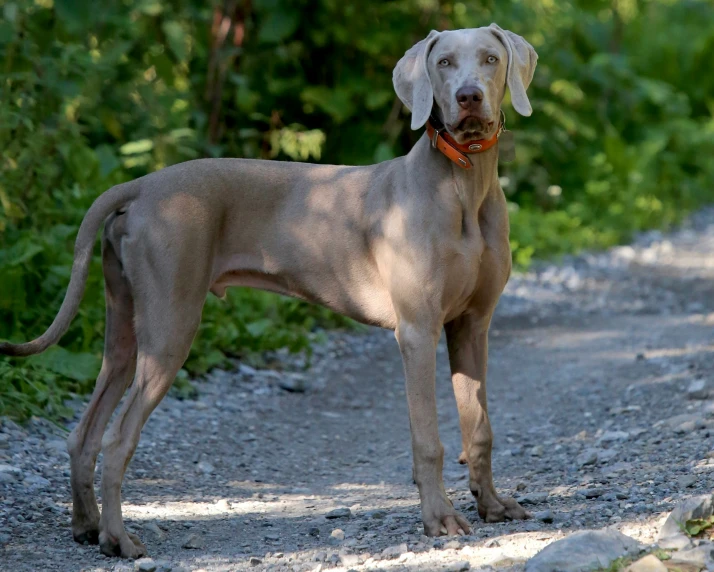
481	264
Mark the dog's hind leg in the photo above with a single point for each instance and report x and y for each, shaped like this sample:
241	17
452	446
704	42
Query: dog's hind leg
167	315
118	368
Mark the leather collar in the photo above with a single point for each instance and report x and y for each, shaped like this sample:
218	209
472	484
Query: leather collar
457	152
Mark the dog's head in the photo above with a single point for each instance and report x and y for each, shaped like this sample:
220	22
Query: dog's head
465	73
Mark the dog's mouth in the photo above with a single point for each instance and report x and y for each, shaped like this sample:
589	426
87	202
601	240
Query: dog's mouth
471	128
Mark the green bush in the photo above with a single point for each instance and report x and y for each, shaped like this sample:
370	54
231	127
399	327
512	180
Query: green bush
620	139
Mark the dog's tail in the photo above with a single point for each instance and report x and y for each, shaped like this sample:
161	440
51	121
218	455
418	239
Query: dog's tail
83	247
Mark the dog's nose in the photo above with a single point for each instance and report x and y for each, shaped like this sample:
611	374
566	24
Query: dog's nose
469	96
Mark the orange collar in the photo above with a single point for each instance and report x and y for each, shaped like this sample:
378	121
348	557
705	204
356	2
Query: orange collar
457	152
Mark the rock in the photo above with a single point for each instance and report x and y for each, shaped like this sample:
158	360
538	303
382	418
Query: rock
606	455
205	467
145	565
272	536
337	536
593	493
247	370
612	436
193	542
349	559
8	473
649	563
587	457
536	451
36	482
582	551
544	516
320	556
377	514
339	513
255	561
154	529
702	555
687	481
314	531
685	427
56	446
697	389
165	566
492	543
293	382
671	535
532	498
395	551
458	567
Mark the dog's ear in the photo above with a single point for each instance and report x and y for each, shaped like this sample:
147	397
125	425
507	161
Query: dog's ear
411	80
522	60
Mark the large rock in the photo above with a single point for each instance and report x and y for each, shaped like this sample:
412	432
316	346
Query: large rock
671	535
702	555
583	551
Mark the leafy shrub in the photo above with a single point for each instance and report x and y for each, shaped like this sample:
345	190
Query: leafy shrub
620	140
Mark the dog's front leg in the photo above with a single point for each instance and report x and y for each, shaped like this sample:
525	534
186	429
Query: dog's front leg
467	339
418	348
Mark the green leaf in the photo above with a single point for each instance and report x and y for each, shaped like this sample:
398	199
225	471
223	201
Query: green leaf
278	26
383	152
259	327
336	102
176	38
77	366
76	15
150	7
136	147
108	160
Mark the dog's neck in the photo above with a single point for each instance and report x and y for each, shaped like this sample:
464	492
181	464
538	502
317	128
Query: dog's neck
471	186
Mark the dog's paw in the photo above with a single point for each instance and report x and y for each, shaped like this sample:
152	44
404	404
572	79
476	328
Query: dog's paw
440	518
499	509
126	545
88	536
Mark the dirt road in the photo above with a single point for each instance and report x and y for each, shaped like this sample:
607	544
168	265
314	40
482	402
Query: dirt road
595	399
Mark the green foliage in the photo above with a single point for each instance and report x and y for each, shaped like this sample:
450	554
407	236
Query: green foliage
620	139
696	526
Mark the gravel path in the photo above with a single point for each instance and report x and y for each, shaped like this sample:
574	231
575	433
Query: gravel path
599	402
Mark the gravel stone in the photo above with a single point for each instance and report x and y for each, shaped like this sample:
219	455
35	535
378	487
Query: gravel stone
544	516
145	565
194	542
649	563
339	513
533	498
698	389
394	551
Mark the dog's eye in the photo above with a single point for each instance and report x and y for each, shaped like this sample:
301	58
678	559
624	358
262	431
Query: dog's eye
443	63
492	59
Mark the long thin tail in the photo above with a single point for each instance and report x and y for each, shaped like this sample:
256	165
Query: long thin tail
100	209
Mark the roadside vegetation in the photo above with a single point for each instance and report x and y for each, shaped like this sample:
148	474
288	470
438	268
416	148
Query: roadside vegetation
621	138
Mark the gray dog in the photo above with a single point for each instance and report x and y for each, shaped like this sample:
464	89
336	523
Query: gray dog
415	244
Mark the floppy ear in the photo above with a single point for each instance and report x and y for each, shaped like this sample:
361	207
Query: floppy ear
411	80
522	60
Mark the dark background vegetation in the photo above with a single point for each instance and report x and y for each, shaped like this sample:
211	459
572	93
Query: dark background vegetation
95	93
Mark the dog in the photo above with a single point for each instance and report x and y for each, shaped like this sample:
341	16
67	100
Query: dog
415	244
